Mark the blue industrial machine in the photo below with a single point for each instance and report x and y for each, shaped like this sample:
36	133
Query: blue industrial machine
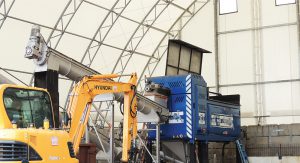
194	115
197	116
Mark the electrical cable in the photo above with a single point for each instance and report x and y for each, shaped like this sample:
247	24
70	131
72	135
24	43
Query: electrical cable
132	113
122	107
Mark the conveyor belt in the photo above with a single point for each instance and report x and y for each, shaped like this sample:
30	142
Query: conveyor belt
75	70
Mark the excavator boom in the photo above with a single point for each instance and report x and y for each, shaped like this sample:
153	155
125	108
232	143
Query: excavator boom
82	97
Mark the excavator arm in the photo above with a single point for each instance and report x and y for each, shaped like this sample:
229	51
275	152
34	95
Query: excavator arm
82	97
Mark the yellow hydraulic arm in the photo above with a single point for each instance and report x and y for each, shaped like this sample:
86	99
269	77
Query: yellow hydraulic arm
81	100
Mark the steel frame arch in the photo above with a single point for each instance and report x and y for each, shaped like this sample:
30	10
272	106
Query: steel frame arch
130	41
63	30
98	31
51	37
3	4
127	18
98	45
189	17
99	116
119	15
60	22
73	34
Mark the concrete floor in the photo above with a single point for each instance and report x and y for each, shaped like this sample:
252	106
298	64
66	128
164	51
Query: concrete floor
274	160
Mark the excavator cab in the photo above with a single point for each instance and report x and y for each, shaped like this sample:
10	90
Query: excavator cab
24	135
26	107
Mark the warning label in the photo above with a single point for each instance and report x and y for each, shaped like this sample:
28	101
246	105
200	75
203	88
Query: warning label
176	117
201	118
221	120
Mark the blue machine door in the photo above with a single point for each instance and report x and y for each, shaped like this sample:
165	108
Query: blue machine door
201	109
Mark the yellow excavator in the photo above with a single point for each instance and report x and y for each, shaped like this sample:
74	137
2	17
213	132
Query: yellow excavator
26	120
28	132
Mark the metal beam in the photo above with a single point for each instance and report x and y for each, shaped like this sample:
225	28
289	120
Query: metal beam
258	61
25	72
257	83
18	71
124	17
99	32
298	30
61	21
257	28
3	4
274	116
162	46
138	38
216	29
94	40
13	76
4	80
177	6
74	70
77	35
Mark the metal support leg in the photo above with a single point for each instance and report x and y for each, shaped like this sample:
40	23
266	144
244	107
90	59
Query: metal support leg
112	134
223	152
158	143
192	153
49	80
148	156
203	152
87	137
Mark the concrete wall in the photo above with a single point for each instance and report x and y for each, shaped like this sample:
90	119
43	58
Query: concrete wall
215	153
263	144
273	134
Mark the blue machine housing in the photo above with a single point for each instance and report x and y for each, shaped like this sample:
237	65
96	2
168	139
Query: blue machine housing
193	115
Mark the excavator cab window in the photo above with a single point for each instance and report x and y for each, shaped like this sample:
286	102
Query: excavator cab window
26	107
